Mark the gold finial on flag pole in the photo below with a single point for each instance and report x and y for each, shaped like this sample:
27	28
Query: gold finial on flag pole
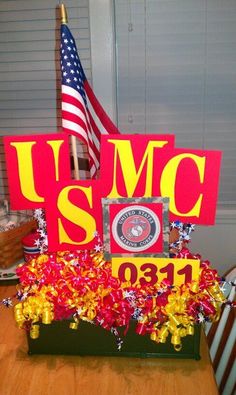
64	18
64	21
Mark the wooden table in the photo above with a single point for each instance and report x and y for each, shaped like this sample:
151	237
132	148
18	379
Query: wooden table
21	374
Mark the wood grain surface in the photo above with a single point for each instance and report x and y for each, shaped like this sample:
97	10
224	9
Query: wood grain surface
21	374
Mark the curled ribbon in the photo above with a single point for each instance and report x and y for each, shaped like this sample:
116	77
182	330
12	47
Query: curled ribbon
80	285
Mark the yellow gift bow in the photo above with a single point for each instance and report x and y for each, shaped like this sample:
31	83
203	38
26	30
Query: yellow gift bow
34	309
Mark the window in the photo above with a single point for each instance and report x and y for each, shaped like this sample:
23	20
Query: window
176	73
30	66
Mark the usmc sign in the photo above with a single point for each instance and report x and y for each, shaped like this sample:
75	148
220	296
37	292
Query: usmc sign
131	166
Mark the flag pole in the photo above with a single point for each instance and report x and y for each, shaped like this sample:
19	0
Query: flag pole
64	20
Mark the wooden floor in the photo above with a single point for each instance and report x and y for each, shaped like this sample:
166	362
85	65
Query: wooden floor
21	374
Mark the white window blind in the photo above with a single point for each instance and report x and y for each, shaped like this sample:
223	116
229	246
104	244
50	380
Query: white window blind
176	73
30	66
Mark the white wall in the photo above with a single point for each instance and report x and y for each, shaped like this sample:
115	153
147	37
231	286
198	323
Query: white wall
103	54
217	243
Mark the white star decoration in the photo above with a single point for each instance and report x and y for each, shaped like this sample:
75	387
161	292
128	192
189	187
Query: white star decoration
97	247
201	318
79	311
37	243
38	212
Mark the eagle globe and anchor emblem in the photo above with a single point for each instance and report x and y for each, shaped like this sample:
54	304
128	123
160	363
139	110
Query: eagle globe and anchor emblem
136	228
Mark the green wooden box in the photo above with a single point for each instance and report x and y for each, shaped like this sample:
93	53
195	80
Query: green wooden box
88	339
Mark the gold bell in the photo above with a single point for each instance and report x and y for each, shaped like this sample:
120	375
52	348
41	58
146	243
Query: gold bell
34	331
190	330
175	340
46	317
74	325
153	336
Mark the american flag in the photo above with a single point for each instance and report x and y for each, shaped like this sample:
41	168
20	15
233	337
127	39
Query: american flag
82	114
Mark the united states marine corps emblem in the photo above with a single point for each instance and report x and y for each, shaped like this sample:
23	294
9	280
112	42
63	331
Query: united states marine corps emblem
136	228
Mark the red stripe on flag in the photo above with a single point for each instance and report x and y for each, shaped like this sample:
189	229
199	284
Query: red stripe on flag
65	98
96	130
101	114
69	116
